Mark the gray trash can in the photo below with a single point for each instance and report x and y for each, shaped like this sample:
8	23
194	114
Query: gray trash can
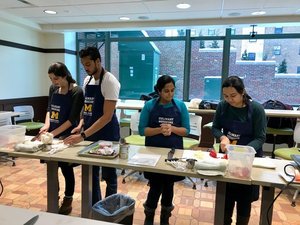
116	208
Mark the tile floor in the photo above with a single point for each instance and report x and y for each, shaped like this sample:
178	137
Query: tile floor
25	187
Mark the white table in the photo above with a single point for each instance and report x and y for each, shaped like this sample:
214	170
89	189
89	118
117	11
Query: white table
268	178
16	216
139	104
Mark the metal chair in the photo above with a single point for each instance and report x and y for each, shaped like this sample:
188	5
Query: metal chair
134	138
26	117
278	131
285	153
215	146
195	137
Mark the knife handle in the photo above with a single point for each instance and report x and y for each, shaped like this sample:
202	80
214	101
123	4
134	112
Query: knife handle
171	153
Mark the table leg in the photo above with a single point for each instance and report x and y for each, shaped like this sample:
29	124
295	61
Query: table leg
266	199
86	191
220	203
52	186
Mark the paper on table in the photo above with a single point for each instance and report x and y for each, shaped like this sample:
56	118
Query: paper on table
144	159
264	163
190	154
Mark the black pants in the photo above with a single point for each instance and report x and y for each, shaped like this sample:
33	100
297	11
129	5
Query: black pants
110	177
68	173
243	195
160	185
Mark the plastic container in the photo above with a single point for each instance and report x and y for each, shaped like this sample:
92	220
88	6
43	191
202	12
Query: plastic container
116	208
10	135
240	161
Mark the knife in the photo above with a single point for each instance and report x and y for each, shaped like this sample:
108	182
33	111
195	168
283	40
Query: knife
32	220
170	154
64	137
35	137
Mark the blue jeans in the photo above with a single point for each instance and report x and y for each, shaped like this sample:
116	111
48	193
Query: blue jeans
110	177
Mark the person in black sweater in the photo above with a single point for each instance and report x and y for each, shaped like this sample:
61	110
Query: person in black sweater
239	121
63	114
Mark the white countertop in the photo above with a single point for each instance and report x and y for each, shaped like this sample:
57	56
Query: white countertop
16	216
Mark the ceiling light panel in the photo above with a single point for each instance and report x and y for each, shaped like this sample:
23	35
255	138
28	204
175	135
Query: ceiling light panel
38	11
183	6
196	5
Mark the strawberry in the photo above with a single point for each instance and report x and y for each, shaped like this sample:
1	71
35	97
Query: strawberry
245	172
225	156
213	153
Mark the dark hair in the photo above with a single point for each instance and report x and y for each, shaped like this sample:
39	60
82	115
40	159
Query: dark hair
91	52
238	84
59	69
162	81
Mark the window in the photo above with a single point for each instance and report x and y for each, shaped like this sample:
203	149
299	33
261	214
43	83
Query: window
251	56
139	64
206	71
278	30
269	70
277	50
171	33
148	57
211	32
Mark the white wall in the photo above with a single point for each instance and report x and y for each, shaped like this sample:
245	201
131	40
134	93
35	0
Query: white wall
23	73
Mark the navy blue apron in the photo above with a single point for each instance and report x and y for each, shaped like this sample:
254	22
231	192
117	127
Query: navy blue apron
159	115
60	109
241	133
93	110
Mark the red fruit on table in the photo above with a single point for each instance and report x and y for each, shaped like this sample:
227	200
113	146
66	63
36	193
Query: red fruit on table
225	156
245	172
213	153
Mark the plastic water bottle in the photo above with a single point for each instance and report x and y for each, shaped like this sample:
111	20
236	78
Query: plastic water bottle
123	149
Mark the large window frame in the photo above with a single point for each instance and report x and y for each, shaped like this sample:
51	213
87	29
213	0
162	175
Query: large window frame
227	38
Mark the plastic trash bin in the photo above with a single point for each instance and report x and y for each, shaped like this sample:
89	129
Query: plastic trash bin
116	208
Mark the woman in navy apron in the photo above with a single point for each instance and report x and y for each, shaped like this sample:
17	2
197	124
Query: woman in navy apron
241	121
63	114
164	121
99	117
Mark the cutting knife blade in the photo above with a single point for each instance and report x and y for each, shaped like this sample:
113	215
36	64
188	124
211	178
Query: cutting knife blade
35	137
170	154
64	137
32	220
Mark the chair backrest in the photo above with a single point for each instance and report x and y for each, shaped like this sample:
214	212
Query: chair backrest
134	122
27	113
5	121
297	132
195	125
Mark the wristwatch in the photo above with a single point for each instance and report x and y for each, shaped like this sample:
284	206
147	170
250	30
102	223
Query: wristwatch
83	135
